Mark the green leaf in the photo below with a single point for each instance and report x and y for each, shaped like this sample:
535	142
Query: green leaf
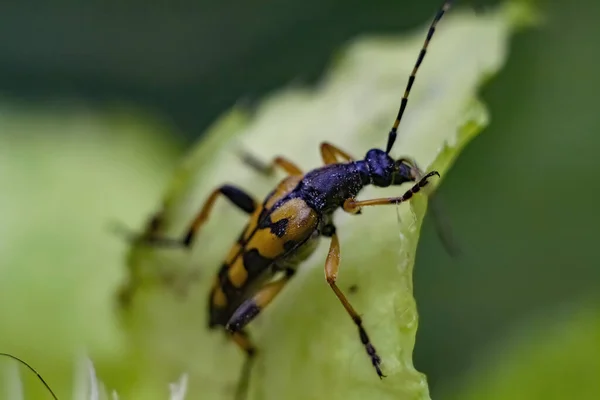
308	346
66	173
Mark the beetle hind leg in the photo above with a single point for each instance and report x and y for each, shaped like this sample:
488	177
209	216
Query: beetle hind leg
245	313
242	340
250	308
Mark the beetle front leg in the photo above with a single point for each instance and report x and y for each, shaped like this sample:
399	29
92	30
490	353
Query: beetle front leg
352	205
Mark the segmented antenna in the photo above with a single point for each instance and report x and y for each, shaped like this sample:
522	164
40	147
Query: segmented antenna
32	370
411	79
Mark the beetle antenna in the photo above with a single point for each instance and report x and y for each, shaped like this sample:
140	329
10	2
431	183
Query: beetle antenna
393	132
32	370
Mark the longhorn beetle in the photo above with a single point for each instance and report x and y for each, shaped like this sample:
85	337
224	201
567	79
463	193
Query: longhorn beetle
283	229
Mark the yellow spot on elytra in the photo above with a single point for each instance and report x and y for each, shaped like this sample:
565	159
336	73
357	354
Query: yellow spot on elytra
237	273
219	299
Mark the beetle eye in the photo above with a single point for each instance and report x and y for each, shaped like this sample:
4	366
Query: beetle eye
409	169
404	168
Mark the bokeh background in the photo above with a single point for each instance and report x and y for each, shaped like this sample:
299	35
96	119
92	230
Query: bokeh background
515	316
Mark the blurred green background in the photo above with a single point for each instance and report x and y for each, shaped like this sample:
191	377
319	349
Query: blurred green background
520	197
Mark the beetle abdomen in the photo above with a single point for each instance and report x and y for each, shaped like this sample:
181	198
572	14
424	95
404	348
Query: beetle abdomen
274	238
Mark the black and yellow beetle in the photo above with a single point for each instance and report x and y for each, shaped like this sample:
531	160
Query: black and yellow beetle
283	229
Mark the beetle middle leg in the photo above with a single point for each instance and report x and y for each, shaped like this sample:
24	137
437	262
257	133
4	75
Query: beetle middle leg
331	154
331	270
238	197
269	168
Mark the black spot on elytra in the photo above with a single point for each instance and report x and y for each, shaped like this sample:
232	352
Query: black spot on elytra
255	263
229	290
264	215
219	316
264	220
278	228
216	316
240	240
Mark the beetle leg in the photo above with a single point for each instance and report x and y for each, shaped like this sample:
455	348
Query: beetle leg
242	340
331	154
245	313
351	205
268	169
250	308
236	196
286	165
331	270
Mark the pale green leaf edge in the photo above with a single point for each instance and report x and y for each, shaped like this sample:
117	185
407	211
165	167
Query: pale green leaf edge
308	345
